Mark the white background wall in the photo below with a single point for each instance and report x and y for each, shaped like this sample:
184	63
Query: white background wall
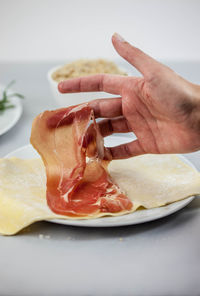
69	29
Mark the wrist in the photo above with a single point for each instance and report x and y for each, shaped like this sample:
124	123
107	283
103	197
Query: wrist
195	114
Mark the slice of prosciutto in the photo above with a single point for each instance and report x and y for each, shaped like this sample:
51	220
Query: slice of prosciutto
75	187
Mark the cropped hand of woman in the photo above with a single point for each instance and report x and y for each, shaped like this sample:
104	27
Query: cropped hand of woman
161	108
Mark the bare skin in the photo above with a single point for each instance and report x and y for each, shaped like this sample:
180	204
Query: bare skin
161	108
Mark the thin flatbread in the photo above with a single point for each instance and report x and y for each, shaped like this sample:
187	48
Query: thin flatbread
149	181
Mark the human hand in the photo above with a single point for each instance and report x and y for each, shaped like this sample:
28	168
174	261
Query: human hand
161	108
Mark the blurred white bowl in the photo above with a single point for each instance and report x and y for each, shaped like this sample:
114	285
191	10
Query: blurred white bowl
68	99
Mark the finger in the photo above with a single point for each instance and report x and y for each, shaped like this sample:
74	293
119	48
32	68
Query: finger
100	82
115	125
126	150
140	60
107	108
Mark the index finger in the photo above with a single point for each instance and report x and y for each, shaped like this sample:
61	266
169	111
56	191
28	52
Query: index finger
136	57
101	82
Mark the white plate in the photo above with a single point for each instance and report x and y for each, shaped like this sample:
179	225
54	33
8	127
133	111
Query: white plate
137	217
10	116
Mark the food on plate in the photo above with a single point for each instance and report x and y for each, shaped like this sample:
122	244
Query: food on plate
67	185
75	187
149	181
85	67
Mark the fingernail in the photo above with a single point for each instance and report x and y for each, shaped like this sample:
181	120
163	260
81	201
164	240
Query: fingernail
107	154
60	85
119	37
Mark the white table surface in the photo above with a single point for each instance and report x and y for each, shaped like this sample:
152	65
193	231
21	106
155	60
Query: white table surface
156	258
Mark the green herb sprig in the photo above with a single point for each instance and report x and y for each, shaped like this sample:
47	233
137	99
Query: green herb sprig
5	102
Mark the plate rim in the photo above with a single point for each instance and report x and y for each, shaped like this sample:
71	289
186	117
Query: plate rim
109	221
18	111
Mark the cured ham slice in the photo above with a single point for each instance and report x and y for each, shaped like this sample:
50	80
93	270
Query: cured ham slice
74	186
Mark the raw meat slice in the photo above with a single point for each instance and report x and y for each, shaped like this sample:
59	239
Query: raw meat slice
75	187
